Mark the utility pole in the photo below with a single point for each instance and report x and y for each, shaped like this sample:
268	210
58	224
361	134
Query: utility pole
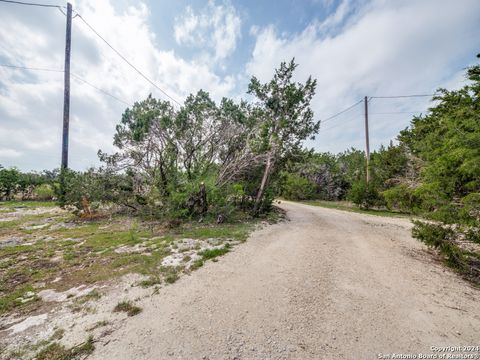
66	90
66	105
367	142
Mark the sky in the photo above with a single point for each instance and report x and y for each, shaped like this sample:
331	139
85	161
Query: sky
353	48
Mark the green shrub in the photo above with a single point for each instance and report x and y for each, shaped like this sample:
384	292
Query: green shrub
401	198
9	181
44	192
88	190
470	213
365	195
440	237
295	187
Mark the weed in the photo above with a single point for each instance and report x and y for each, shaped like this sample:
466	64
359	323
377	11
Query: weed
170	273
127	307
197	264
69	256
151	281
15	354
213	253
56	351
171	278
92	295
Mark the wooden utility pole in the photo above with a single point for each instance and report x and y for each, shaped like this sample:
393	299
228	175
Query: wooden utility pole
66	90
66	106
367	142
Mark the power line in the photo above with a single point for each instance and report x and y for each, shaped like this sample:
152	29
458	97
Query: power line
378	97
395	112
128	104
30	68
99	89
102	38
376	113
341	112
402	96
128	62
73	75
31	4
337	125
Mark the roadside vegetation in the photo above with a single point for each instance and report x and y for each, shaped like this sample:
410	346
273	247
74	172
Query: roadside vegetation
186	185
346	205
431	172
182	188
49	248
203	161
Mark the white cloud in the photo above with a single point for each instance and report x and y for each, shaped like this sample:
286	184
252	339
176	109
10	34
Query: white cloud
31	102
216	27
9	153
383	48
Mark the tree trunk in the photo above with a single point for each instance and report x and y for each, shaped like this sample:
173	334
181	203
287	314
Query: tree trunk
263	184
202	197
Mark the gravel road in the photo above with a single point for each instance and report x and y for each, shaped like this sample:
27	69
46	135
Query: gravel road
326	284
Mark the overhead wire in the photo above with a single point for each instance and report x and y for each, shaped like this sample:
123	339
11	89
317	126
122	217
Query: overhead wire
99	89
372	113
129	104
59	7
339	123
394	112
340	112
127	61
72	75
30	68
401	96
31	4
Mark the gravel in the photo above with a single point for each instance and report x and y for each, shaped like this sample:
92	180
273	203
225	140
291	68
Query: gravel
327	284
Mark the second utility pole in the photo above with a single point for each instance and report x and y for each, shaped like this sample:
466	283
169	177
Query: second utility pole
367	143
66	90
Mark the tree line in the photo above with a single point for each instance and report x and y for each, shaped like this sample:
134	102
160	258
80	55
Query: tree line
433	172
210	161
202	160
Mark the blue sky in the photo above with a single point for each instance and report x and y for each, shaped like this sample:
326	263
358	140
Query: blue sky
352	48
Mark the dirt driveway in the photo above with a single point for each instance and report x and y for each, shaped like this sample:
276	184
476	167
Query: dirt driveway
327	284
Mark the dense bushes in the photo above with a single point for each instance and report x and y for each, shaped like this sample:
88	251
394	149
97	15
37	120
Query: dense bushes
9	183
44	192
365	195
15	184
342	176
296	187
401	198
328	176
203	160
433	171
442	238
